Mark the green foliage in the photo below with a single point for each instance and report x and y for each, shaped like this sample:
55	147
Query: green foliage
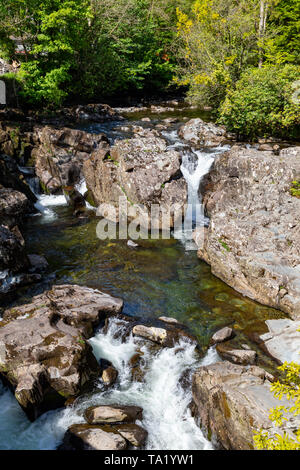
88	47
285	26
262	103
295	189
288	387
224	245
96	49
218	40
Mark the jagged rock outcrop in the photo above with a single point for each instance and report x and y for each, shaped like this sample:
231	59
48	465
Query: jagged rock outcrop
203	134
12	253
143	171
12	178
253	240
16	202
87	437
44	356
13	207
60	153
234	401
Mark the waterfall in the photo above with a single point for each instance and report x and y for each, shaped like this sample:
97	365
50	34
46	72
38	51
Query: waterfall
81	187
44	201
195	165
165	402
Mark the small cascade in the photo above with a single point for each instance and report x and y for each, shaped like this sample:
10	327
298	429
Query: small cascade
44	201
81	187
165	401
195	165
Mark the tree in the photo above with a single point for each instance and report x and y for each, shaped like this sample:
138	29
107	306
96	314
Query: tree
53	35
89	48
285	25
262	104
219	39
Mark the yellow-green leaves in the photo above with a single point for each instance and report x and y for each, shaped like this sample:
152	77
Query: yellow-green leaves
288	388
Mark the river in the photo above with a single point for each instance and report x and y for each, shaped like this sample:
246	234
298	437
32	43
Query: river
161	277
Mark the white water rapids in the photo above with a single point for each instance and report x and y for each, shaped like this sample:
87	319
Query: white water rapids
195	165
165	402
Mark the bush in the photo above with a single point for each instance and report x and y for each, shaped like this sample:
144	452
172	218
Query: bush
289	388
263	103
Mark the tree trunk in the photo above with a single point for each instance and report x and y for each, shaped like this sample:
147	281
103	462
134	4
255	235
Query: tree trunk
262	29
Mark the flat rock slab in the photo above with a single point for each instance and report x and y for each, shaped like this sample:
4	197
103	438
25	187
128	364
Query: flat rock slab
282	342
110	414
134	434
237	356
44	355
163	337
87	437
234	401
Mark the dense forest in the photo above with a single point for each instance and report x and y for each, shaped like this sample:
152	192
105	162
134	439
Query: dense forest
241	58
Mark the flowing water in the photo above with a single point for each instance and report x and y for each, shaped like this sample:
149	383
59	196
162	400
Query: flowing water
165	402
161	277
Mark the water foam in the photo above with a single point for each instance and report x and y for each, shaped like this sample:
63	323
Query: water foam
165	401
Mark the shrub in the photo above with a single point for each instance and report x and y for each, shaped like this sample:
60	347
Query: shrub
288	387
262	103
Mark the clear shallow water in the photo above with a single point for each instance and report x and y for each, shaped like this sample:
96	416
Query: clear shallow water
159	278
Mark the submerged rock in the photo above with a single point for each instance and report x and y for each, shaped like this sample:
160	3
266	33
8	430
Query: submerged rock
87	437
222	335
234	401
132	244
44	356
170	320
253	240
38	263
113	414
